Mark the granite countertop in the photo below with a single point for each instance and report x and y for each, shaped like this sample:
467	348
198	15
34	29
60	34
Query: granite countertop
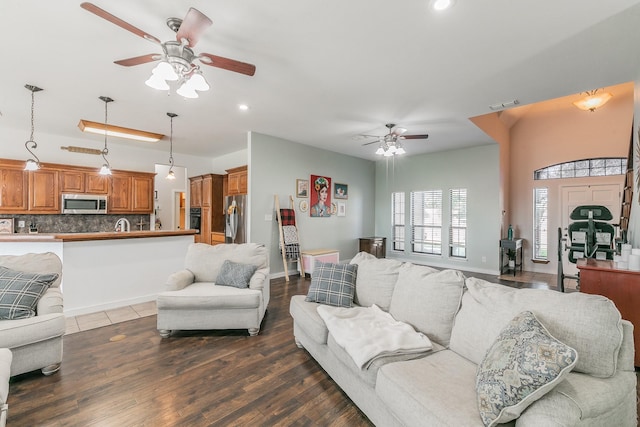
79	237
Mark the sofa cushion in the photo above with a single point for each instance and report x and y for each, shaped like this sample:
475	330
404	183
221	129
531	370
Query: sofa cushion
428	300
306	317
437	390
209	296
235	274
523	364
205	261
46	262
20	292
591	324
376	280
332	284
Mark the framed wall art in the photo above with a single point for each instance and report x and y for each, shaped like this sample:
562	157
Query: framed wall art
342	209
320	196
6	225
340	191
302	188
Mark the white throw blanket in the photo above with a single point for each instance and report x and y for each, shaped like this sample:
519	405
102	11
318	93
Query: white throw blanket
368	333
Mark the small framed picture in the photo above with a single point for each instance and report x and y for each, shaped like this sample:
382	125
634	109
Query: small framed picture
302	188
304	206
340	191
342	209
6	225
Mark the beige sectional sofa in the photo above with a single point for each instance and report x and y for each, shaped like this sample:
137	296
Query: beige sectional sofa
465	319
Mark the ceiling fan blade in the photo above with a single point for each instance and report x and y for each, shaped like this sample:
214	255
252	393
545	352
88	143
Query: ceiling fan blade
119	22
192	27
415	136
228	64
139	60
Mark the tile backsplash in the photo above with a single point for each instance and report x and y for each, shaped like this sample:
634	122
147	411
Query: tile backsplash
76	223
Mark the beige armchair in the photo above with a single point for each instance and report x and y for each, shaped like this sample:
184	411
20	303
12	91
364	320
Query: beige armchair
195	298
36	342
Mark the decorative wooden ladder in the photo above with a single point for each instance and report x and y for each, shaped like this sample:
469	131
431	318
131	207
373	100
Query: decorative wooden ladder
282	244
627	194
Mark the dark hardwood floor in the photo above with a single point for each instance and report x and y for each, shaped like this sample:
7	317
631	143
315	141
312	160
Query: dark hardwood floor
126	375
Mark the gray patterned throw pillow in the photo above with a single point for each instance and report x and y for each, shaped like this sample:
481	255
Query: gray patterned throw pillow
21	291
524	363
333	284
235	274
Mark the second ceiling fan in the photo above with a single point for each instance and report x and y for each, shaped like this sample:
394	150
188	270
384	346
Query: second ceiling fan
390	144
177	60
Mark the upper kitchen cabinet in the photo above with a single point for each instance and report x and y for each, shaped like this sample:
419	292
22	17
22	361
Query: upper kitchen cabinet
44	193
131	192
195	187
237	181
13	187
78	181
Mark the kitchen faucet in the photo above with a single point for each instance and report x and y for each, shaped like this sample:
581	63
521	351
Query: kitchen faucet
123	225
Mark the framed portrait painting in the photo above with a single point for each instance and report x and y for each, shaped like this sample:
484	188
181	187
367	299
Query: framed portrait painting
341	191
320	196
302	188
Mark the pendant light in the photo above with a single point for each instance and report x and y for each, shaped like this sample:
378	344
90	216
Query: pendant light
106	167
32	164
171	175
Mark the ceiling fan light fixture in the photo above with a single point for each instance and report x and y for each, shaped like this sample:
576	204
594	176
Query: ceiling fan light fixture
157	82
187	91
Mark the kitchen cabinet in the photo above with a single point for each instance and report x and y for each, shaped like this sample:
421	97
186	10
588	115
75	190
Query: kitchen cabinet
131	193
237	181
44	193
207	194
79	182
13	188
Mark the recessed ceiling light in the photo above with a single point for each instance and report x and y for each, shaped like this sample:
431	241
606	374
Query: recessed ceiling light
441	4
243	107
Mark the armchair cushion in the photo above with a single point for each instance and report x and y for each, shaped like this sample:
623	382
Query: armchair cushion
235	274
21	291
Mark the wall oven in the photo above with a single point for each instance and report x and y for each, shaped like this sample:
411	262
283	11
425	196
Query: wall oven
84	204
196	216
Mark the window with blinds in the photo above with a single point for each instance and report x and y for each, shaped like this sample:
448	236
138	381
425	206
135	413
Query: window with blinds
397	218
458	223
540	244
426	222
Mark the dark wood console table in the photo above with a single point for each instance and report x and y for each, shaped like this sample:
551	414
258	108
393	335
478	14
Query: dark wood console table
620	286
374	245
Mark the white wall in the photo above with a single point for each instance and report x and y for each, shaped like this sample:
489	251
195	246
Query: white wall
274	166
476	169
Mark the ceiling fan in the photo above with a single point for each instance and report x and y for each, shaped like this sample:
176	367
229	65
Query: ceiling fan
177	60
390	144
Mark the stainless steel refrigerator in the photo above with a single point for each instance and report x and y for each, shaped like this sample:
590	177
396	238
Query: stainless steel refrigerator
235	219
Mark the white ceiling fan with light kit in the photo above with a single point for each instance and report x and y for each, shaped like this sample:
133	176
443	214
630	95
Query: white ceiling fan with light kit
391	143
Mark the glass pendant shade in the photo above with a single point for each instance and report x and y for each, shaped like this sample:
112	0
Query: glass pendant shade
187	91
198	82
380	151
105	170
157	82
165	71
31	165
171	175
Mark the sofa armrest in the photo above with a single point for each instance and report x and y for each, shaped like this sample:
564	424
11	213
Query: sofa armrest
179	280
51	302
258	279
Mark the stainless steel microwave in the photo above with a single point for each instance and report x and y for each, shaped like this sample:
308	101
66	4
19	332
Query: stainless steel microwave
84	204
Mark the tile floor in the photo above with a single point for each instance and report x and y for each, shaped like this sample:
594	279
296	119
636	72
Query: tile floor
85	322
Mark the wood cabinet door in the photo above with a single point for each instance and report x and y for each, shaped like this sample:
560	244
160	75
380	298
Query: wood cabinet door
237	181
206	190
13	189
195	201
120	195
44	194
96	183
72	181
142	201
205	226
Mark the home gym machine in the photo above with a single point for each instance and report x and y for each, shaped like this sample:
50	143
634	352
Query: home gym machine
590	236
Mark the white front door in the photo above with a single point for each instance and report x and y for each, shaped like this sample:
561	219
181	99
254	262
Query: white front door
607	195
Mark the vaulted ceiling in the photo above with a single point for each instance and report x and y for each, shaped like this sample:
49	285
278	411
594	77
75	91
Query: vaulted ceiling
326	71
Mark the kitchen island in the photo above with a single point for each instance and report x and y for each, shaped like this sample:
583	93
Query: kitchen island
107	270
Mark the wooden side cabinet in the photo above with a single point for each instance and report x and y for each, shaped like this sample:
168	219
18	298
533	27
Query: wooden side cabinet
376	246
620	286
